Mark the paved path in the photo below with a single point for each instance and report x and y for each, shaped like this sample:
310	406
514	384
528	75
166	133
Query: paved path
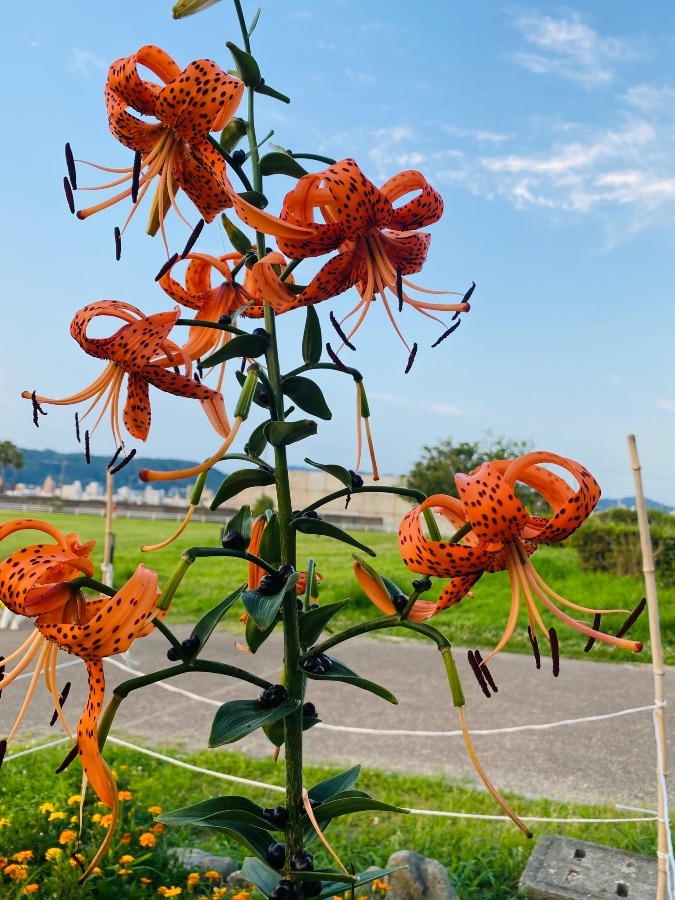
611	760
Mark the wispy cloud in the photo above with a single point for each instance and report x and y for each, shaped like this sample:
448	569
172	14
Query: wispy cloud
668	405
84	61
569	48
359	77
440	409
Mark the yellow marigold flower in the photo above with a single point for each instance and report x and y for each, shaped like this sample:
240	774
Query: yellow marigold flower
67	836
242	895
47	807
155	810
96	818
105	820
147	839
22	856
76	861
212	875
74	819
125	871
144	880
4	823
219	893
170	891
31	888
16	872
55	816
379	885
96	871
123	767
76	798
125	795
53	853
192	879
125	860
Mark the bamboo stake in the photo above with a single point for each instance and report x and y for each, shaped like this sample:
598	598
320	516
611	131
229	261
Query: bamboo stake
107	563
657	661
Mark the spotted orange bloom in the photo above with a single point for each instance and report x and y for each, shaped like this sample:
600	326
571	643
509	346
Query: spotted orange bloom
504	535
141	351
378	243
175	150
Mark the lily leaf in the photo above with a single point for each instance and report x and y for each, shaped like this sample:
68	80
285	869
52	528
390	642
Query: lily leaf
241	522
340	672
243	345
275	730
327	789
279	434
263	608
270	542
257	440
248	68
312	343
205	626
229	807
347	805
281	164
238	718
240	480
317	526
306	394
263	88
343	475
261	875
255	198
256	637
313	622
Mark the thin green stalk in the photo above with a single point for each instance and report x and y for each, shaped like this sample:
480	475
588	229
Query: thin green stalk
368	489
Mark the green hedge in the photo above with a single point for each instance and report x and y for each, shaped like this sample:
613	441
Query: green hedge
610	542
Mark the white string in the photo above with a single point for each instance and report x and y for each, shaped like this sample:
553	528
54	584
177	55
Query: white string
670	860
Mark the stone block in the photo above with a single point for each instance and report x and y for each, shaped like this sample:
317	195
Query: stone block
422	879
562	868
200	861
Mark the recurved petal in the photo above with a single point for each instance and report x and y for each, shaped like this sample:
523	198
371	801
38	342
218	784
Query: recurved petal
125	81
135	344
134	133
93	764
357	204
455	591
495	513
407	252
199	100
424	209
137	414
33	565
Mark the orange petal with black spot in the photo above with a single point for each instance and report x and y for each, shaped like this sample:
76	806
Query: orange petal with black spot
495	513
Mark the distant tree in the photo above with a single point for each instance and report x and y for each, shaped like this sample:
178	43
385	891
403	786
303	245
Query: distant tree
10	458
264	502
434	472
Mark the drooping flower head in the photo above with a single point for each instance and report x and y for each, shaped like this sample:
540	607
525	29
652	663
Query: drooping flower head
378	243
174	151
141	351
503	535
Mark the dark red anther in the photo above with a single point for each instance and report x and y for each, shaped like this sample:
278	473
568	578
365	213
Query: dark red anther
70	163
115	457
127	459
87	452
486	672
75	857
555	651
3	750
448	332
72	755
467	296
62	700
192	240
596	626
136	176
77	429
336	325
476	669
36	409
336	359
69	194
632	618
118	243
196	377
535	647
167	265
399	288
411	359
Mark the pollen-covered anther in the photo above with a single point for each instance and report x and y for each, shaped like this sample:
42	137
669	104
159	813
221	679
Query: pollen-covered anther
336	325
69	194
411	359
166	267
448	331
478	673
127	459
535	646
486	672
596	627
118	243
555	651
70	164
36	409
136	176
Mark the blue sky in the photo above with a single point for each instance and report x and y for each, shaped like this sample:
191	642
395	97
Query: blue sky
549	130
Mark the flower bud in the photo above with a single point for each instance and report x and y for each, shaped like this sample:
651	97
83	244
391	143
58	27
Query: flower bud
184	8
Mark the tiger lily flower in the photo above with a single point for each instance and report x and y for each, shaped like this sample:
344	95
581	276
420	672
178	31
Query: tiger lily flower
175	150
503	536
378	243
134	351
34	581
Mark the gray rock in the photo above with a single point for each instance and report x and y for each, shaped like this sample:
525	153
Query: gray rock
562	868
423	879
200	861
237	882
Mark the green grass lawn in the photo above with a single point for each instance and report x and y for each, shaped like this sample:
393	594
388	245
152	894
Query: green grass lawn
475	622
484	858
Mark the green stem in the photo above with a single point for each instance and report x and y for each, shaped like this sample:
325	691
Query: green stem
354	631
84	582
369	489
201	323
306	367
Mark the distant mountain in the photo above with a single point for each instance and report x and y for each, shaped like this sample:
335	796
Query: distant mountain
65	468
629	503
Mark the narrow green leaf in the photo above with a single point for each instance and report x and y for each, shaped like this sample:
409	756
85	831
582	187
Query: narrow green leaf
205	626
339	887
254	22
340	672
257	440
280	434
232	133
281	164
306	394
240	480
318	526
348	805
327	789
238	239
259	874
313	622
255	198
256	637
263	88
220	807
343	475
243	345
248	68
238	718
241	522
275	730
263	608
312	344
270	542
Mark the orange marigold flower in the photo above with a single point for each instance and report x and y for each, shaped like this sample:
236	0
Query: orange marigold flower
193	879
147	840
145	880
22	856
125	860
76	861
124	795
126	838
31	888
67	836
16	871
125	871
170	891
157	828
212	875
155	810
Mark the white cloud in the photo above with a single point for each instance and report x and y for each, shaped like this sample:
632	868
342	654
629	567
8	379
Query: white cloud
569	48
440	409
668	405
359	77
649	99
83	61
